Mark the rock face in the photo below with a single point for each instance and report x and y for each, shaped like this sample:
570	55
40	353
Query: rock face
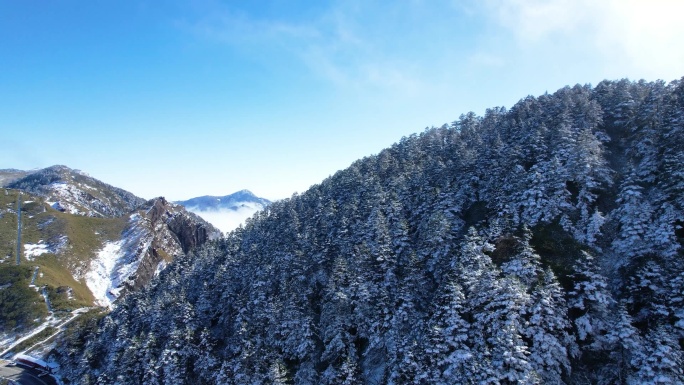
192	232
174	232
157	233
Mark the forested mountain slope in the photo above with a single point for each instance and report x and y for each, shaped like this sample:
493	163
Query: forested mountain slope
540	244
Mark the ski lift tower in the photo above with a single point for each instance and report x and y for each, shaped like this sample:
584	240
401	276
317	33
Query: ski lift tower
18	228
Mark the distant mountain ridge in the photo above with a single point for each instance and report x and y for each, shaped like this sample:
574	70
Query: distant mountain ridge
73	191
232	201
226	212
9	175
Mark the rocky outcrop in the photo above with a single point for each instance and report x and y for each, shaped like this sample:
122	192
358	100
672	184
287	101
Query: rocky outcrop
191	231
166	230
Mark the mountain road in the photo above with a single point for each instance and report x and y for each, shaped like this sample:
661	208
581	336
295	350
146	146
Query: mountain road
25	376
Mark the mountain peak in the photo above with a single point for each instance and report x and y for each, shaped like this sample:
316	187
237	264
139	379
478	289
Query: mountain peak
75	191
226	212
231	201
244	192
58	167
65	170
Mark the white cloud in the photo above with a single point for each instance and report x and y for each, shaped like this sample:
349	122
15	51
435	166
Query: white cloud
642	38
343	44
231	27
649	34
226	220
532	20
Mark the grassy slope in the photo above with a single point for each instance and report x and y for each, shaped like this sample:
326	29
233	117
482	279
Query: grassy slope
40	222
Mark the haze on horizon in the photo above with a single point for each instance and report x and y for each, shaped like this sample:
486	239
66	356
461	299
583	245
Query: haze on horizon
208	97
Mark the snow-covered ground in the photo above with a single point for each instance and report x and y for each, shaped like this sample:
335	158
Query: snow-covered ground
160	267
69	197
9	343
99	277
32	250
116	261
69	193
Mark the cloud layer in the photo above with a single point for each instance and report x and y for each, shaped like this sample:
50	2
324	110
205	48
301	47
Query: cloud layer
628	35
226	220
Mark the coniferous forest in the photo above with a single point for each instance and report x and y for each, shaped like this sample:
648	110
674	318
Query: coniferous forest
540	244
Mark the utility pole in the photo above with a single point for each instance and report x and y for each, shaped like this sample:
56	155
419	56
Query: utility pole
18	228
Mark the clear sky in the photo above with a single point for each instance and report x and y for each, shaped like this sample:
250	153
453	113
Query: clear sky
207	97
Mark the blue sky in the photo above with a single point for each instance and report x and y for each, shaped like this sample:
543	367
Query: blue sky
209	97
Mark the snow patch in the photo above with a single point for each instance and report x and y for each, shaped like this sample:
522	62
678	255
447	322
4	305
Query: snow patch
32	250
160	267
100	277
69	197
116	262
59	245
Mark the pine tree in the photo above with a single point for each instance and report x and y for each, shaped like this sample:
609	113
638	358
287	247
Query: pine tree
590	301
447	352
547	327
624	344
662	360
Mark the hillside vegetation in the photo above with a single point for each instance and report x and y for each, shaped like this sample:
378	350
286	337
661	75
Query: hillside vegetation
68	241
20	306
540	244
84	243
